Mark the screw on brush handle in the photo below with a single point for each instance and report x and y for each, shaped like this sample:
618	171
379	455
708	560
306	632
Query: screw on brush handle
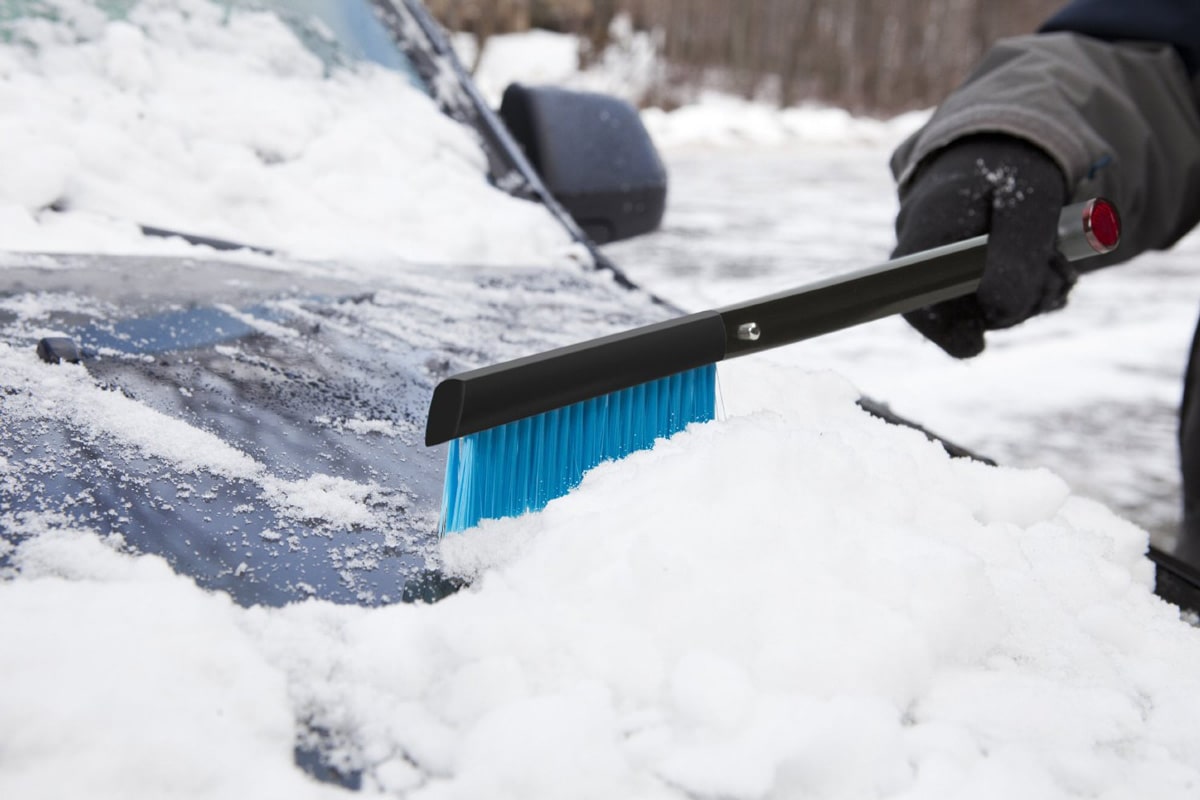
900	285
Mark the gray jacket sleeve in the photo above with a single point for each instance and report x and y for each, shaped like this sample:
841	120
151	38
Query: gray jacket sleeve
1120	119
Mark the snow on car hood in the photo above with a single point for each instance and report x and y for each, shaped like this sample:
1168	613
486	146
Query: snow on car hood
197	118
799	602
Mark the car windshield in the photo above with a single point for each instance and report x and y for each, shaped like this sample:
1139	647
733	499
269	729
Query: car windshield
300	127
337	31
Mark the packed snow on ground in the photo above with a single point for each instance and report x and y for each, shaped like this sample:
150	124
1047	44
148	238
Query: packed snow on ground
796	601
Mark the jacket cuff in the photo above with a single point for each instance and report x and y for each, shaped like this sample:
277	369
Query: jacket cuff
1040	130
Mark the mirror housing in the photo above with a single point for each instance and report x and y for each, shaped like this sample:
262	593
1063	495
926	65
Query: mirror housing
593	154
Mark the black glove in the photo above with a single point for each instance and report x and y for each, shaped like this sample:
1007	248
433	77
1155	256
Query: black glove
1010	189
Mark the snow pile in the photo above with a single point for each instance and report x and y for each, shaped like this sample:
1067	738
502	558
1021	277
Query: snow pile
533	57
720	120
847	613
628	67
122	680
219	122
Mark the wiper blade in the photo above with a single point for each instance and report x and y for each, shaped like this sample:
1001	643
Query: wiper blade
209	241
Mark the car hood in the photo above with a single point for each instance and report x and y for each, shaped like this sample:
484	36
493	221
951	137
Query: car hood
260	423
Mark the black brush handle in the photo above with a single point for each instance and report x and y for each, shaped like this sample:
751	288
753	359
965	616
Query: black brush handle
898	286
485	398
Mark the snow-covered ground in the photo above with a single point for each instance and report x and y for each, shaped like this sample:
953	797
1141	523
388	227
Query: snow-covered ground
797	601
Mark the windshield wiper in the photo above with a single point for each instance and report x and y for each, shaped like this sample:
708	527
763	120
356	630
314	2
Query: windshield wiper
209	241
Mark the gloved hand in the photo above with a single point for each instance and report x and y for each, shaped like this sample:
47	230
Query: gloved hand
1010	189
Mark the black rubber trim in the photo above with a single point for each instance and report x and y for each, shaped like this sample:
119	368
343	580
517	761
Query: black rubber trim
209	241
884	412
1175	581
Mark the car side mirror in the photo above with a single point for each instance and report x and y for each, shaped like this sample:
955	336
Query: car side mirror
593	154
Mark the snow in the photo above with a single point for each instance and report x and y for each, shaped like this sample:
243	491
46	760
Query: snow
233	131
719	121
105	413
954	630
109	695
796	601
627	69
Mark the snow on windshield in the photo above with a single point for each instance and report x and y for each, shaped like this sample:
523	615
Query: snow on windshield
219	122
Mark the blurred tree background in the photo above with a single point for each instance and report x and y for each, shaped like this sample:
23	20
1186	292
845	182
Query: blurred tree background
870	56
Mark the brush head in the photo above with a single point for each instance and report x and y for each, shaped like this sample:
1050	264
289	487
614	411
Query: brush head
521	466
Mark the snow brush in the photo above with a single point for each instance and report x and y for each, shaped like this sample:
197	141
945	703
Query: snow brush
524	432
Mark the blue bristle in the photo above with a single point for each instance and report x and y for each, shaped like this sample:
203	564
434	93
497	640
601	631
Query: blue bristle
510	469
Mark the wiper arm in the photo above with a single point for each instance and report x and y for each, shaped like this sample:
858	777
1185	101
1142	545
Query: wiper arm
209	241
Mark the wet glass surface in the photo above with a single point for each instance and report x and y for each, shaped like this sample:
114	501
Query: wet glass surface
299	469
